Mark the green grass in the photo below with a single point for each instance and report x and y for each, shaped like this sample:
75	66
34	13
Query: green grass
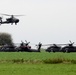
37	69
24	63
33	55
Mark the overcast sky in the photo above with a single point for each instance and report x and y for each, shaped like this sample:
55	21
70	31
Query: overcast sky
46	21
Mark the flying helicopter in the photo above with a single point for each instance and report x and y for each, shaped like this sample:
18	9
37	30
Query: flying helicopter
9	20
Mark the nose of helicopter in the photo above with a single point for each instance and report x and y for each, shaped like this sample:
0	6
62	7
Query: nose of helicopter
17	21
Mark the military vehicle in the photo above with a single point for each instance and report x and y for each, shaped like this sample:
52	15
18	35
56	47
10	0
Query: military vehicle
69	48
24	47
11	20
53	48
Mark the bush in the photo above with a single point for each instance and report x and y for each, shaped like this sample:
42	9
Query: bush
5	38
53	61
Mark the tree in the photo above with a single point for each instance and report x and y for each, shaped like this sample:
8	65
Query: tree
5	38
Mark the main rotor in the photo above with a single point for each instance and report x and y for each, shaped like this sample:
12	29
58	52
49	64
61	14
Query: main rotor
11	15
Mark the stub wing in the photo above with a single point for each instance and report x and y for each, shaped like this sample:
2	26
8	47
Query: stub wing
4	22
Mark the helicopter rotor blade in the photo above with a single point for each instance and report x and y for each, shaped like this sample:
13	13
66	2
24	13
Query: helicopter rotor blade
70	41
5	14
11	15
53	44
47	44
26	41
19	15
1	17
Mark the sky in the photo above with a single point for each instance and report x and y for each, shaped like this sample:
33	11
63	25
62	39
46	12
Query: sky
46	21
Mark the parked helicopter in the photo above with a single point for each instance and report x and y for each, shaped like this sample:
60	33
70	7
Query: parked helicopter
11	20
8	48
53	48
61	47
24	47
69	48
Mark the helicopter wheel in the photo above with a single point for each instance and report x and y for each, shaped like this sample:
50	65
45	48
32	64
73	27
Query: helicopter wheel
15	23
66	50
51	49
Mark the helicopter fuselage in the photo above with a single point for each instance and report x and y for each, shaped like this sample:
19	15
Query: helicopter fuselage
10	20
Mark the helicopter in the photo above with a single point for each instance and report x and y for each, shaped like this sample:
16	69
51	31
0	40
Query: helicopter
53	48
61	47
11	20
24	47
69	48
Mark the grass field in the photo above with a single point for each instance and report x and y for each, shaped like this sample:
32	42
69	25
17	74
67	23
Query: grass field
24	63
33	55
